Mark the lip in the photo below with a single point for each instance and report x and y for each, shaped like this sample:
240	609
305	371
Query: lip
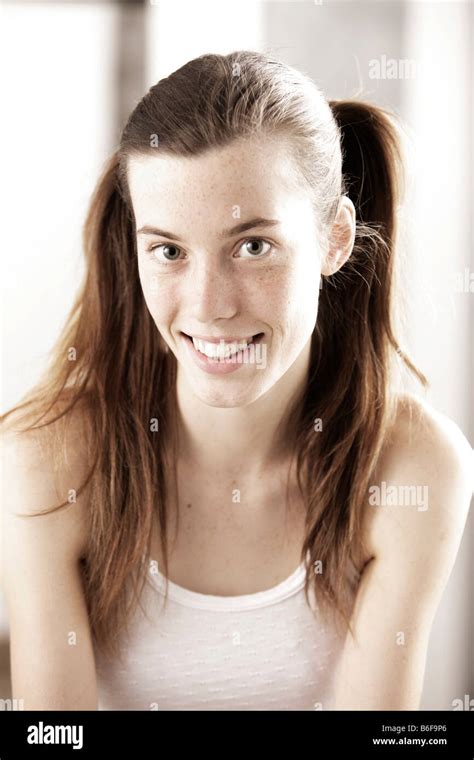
225	338
215	366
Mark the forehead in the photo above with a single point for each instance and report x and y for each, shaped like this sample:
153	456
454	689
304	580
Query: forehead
257	175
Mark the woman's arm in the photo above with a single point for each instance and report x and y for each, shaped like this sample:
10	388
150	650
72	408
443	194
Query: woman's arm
52	660
415	547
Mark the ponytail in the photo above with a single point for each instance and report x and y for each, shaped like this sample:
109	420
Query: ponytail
118	365
352	349
372	177
372	162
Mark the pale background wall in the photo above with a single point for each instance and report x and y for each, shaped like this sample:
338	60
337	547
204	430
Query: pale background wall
93	61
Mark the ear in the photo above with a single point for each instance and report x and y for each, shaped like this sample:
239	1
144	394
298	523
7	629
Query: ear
341	237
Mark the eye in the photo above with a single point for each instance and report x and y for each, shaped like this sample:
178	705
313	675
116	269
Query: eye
170	252
166	253
252	246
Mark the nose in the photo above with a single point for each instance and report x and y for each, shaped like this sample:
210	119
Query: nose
213	290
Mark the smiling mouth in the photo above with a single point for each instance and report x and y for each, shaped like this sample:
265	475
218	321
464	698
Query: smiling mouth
222	349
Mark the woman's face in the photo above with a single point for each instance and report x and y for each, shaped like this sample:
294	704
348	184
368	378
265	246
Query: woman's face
204	277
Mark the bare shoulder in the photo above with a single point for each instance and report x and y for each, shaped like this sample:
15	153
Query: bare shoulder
421	491
421	427
44	467
52	663
417	504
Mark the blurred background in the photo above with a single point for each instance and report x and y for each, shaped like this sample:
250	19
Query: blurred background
72	72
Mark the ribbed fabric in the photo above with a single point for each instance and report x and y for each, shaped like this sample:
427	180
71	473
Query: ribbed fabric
262	651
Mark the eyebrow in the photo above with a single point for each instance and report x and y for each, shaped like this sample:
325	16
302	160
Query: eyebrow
238	229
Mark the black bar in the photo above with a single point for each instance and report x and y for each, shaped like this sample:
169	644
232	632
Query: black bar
446	734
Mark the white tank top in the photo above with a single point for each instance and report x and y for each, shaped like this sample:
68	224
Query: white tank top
261	651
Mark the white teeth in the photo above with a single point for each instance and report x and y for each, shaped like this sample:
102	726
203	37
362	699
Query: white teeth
219	350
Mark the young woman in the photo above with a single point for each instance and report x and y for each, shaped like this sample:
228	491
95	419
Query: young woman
218	497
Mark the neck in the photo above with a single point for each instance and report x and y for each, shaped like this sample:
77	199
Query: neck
252	438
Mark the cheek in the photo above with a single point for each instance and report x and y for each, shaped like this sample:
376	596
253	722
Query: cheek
159	294
297	307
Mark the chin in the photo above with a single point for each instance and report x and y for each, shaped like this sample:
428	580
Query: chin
229	398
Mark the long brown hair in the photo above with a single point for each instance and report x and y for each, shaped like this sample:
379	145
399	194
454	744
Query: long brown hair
120	359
